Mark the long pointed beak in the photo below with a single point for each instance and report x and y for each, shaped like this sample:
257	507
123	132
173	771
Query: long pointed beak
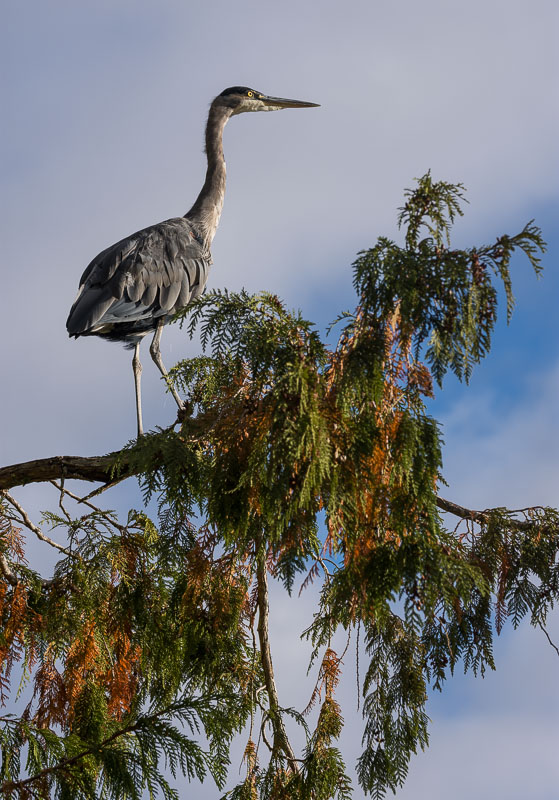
281	102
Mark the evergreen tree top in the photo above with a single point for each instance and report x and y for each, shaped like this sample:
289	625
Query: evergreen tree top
148	649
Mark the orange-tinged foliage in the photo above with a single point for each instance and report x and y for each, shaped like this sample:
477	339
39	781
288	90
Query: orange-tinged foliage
58	693
328	678
51	691
374	478
13	605
250	757
82	661
121	680
85	660
15	610
12	540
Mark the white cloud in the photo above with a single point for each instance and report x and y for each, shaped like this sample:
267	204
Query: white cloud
505	456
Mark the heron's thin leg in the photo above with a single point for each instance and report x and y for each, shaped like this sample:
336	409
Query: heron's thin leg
137	367
156	355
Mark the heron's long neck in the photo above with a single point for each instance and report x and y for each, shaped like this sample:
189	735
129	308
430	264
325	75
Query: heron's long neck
206	211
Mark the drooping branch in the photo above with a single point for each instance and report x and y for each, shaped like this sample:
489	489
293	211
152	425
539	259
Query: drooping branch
63	765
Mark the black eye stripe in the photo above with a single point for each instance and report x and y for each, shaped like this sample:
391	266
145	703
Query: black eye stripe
236	90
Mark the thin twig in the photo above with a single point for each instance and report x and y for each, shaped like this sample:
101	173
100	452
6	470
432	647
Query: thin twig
549	638
61	499
263	735
482	517
37	531
101	489
86	502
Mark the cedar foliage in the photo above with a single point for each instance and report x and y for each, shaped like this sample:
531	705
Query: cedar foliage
147	651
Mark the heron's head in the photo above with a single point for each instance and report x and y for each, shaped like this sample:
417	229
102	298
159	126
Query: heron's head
242	98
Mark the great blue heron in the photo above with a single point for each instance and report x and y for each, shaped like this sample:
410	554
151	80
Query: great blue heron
138	284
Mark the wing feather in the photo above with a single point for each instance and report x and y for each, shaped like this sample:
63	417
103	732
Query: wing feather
152	273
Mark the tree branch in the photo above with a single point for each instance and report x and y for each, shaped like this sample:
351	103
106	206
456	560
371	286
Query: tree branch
280	734
101	469
482	517
93	468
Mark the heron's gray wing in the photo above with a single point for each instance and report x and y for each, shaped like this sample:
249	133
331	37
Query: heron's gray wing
152	273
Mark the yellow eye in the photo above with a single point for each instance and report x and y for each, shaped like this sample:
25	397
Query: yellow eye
250	94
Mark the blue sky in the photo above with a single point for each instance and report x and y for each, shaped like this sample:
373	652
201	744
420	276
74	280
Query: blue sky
104	105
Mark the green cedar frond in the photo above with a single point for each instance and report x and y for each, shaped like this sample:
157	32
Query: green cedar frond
445	297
